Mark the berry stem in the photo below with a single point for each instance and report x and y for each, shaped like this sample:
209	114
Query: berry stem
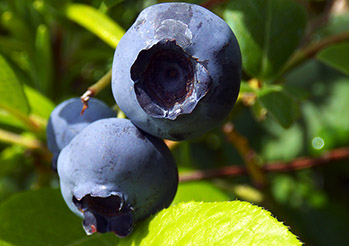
94	89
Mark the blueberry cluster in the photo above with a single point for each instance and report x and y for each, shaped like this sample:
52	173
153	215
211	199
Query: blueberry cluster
176	75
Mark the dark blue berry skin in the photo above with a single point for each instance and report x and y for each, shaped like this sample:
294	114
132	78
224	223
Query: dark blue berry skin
177	71
113	175
66	121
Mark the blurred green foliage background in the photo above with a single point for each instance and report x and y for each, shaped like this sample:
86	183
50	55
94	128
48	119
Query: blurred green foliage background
294	102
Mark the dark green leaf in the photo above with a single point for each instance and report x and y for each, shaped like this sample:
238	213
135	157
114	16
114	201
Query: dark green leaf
9	45
12	96
336	24
220	223
11	159
44	68
111	3
336	56
16	25
42	218
282	106
268	32
299	93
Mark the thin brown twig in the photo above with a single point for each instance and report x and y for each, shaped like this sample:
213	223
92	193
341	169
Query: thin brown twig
95	89
294	165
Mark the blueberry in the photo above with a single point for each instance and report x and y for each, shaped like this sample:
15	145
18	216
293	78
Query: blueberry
177	71
113	175
66	121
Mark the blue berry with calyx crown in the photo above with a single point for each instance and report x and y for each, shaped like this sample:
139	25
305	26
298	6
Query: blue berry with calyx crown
177	71
113	175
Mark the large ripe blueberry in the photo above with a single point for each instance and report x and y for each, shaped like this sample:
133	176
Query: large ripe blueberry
176	71
113	175
66	121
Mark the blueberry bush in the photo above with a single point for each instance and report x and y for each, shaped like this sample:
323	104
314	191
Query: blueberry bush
250	148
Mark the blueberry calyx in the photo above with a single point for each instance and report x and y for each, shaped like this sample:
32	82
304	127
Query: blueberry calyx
106	214
168	81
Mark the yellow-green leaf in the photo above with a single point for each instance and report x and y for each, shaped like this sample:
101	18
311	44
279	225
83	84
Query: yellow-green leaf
220	223
96	22
12	97
200	191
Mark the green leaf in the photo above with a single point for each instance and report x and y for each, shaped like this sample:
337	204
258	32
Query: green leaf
16	25
333	110
281	105
280	143
9	45
299	93
43	56
41	108
221	223
8	119
12	96
329	121
336	24
204	191
42	218
12	158
111	3
268	32
39	104
96	22
336	56
8	186
245	87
